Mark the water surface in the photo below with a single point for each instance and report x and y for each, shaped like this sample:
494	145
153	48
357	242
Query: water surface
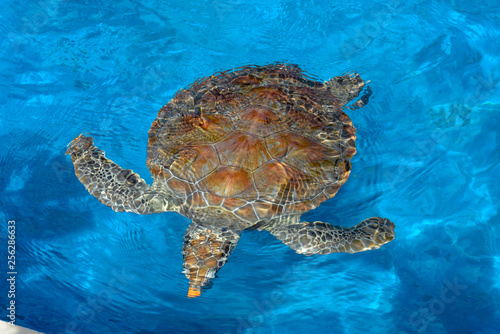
427	159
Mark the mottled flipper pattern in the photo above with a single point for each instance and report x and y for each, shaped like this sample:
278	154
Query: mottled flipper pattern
323	238
120	189
205	251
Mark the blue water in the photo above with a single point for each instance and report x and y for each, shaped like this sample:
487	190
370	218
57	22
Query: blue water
428	159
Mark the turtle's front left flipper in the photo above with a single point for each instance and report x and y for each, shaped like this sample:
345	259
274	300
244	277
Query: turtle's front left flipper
323	238
205	251
120	189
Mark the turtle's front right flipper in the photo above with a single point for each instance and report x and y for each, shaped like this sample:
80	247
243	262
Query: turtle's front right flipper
120	189
323	238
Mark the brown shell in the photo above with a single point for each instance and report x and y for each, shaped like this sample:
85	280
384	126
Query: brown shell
256	141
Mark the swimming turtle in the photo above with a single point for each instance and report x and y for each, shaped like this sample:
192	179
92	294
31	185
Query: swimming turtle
249	148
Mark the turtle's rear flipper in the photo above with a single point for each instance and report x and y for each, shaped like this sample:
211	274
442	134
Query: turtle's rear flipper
120	189
205	251
323	238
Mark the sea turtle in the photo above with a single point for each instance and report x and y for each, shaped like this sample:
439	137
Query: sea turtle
250	148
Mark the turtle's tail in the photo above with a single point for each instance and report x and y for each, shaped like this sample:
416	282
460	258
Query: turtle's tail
205	251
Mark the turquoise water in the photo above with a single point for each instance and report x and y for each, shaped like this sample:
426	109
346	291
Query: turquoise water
427	159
